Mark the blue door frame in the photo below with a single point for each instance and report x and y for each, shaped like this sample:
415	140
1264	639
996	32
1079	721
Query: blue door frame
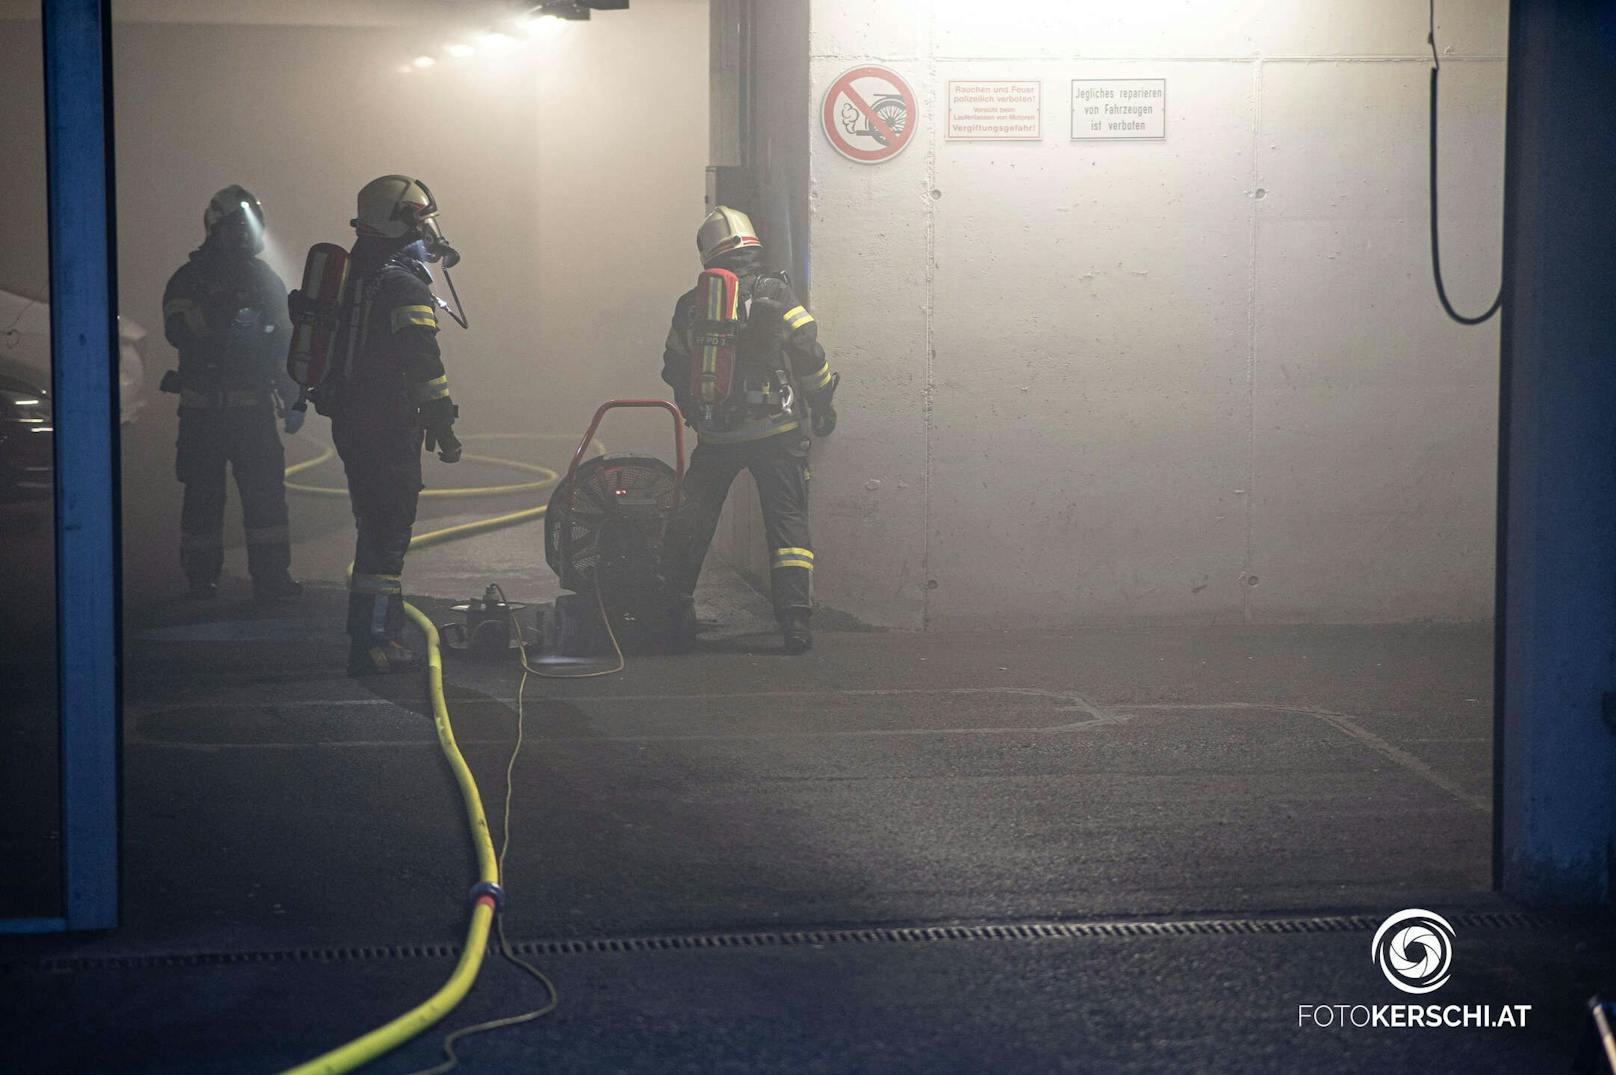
84	380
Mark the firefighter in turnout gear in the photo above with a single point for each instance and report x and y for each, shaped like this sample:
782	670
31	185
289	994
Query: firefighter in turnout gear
387	392
746	367
225	312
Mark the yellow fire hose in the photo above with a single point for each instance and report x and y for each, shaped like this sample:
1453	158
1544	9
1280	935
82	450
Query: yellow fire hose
549	478
391	1035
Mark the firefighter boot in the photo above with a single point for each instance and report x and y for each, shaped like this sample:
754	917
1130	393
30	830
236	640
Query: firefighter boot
794	627
380	657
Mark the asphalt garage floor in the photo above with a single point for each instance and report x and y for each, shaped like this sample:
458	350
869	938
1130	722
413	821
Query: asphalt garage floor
1151	846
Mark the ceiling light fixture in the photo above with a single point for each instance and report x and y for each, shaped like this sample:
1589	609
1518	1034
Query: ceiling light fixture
540	25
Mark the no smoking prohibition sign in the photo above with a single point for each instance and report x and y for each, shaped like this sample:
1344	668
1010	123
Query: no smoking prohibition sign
869	114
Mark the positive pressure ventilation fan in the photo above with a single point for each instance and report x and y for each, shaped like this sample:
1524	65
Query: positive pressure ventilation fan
605	537
612	513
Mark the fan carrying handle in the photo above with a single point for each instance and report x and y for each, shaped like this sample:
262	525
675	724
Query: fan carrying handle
678	439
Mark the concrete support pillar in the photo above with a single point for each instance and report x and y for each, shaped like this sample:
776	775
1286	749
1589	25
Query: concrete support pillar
1556	743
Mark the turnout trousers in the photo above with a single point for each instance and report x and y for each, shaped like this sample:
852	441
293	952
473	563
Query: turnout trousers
779	466
384	486
247	440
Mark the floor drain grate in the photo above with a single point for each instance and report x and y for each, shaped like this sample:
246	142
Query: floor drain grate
905	935
801	938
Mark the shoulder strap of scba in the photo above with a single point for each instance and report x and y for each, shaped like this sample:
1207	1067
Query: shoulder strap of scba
358	304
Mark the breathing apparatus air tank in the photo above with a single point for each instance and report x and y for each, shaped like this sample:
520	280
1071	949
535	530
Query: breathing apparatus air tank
315	312
715	338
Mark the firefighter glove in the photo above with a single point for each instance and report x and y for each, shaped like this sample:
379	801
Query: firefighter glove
824	419
437	418
822	415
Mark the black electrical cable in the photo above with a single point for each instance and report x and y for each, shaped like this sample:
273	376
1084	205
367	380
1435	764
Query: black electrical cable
1436	244
451	1057
553	995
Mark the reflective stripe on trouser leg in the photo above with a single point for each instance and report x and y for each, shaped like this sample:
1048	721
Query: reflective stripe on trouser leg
269	551
375	608
384	484
370	604
199	462
202	530
779	466
259	463
791	577
207	542
792	557
373	617
382	584
202	555
269	535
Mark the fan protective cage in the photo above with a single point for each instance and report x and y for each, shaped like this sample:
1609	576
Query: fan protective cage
615	508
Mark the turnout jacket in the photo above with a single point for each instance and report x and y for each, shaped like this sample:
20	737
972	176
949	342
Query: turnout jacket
387	362
780	335
225	313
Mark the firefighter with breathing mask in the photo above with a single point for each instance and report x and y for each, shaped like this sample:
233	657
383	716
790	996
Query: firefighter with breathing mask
386	393
225	313
746	367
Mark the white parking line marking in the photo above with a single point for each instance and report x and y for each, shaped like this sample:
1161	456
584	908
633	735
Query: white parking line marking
1094	716
1347	725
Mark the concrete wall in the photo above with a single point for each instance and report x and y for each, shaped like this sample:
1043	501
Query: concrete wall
1203	379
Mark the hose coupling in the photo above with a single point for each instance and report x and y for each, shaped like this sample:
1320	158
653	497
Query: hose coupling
490	889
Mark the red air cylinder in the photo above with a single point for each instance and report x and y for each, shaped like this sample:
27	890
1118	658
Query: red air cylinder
316	327
715	333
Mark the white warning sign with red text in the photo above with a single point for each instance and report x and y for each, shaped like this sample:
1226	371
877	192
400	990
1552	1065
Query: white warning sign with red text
869	114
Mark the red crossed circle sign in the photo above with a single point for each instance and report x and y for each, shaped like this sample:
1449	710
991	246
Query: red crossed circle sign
869	114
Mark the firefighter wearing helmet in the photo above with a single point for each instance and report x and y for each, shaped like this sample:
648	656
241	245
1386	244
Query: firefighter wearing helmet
746	367
225	313
386	395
